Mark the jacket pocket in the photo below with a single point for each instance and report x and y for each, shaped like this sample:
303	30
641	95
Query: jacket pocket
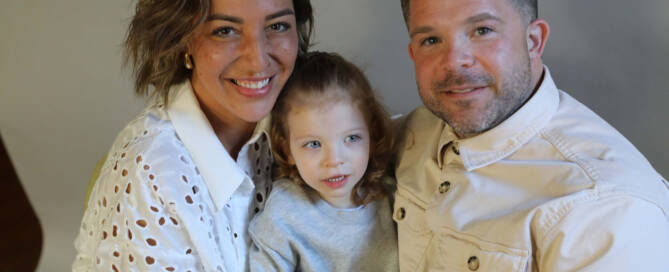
413	236
463	252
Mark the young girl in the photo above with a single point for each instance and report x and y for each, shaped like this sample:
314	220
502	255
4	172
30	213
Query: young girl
330	210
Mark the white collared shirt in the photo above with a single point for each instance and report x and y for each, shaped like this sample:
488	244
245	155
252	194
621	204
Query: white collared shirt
552	188
170	197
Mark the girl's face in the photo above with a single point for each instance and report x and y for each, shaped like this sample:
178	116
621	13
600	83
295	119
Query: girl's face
242	55
329	144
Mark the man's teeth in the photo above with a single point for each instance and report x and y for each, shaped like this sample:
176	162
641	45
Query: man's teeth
252	84
337	179
462	91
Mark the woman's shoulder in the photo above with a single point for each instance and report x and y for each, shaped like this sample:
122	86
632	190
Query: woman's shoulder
152	121
148	152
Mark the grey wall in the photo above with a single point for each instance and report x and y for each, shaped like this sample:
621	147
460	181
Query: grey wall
64	96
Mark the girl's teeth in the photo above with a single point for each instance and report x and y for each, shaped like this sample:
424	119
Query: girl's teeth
340	178
252	84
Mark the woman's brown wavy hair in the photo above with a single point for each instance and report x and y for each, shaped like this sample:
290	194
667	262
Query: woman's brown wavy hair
160	30
314	81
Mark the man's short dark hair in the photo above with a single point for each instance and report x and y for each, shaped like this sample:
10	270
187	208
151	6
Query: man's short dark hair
527	8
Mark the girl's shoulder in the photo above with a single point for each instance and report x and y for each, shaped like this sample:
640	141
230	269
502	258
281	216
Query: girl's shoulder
286	193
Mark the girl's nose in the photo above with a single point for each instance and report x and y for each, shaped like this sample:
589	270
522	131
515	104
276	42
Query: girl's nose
333	157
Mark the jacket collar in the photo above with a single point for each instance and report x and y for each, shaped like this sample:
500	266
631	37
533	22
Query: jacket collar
220	172
510	135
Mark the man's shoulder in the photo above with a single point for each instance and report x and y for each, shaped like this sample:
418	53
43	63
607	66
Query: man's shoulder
419	123
584	137
609	159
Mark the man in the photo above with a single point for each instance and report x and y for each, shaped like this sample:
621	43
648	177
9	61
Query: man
500	170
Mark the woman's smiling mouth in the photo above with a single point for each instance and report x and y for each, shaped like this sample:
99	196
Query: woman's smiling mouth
252	88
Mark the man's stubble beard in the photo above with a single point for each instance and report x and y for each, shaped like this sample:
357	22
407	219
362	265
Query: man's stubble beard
516	90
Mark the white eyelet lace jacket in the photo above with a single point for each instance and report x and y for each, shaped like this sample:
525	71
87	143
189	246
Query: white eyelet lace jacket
170	198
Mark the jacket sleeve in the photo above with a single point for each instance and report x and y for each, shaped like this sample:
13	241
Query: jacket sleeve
616	233
143	213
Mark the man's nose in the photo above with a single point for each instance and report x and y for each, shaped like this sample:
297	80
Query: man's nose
457	55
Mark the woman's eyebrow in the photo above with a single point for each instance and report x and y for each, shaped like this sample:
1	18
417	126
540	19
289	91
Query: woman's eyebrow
234	19
224	17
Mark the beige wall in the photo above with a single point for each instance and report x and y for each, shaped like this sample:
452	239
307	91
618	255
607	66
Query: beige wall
64	96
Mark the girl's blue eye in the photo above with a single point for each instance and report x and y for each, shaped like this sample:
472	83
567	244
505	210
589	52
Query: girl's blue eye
312	144
353	138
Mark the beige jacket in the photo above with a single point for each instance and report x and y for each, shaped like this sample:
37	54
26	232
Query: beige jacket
552	188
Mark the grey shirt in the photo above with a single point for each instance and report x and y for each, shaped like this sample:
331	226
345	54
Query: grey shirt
298	231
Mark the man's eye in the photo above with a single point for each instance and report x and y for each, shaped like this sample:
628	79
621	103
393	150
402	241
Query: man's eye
353	138
279	27
223	31
481	31
312	144
429	41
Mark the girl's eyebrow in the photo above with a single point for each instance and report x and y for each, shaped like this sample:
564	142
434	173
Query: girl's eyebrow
237	20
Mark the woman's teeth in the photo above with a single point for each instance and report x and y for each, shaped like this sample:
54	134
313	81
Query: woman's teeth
251	84
337	179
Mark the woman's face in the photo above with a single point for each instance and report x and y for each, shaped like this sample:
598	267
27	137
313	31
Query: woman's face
242	55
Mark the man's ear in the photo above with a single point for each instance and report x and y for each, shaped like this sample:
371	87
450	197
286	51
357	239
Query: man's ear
410	52
537	35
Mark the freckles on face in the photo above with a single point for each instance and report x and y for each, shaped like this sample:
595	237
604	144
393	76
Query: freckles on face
243	54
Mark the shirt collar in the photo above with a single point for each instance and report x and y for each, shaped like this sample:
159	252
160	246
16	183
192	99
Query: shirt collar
507	137
220	172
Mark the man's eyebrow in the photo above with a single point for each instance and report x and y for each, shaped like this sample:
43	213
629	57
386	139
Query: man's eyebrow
420	30
233	19
483	17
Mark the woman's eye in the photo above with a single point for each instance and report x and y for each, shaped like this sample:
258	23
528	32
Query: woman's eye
481	31
429	41
279	27
353	138
224	31
312	144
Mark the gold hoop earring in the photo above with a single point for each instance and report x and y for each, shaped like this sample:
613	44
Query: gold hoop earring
188	62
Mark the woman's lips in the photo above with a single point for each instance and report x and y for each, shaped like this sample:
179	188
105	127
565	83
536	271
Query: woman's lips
253	88
336	181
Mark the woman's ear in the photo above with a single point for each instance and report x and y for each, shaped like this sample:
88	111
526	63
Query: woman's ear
537	35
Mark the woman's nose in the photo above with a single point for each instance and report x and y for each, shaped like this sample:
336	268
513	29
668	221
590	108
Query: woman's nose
255	52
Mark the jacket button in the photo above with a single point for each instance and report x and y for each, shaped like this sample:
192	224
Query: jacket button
473	263
456	150
444	187
401	213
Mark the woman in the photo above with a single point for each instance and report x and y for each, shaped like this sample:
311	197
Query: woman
183	179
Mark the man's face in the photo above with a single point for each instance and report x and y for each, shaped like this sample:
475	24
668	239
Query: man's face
471	60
